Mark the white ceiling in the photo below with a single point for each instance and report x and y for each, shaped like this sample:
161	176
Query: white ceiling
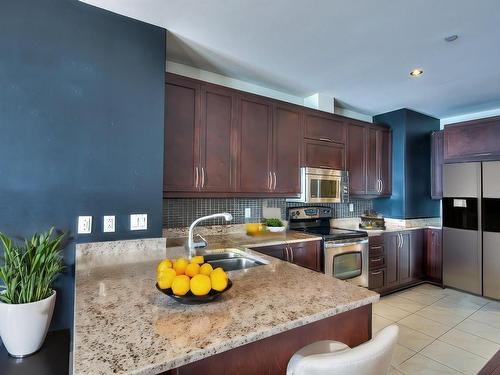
359	51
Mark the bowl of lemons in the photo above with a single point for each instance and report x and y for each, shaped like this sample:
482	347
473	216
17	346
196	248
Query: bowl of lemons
191	282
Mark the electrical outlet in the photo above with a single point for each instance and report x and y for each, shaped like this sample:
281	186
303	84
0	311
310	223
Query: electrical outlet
138	221
84	224
351	207
108	223
248	213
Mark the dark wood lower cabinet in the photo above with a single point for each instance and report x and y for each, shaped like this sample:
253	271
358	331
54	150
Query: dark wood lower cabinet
306	254
396	260
434	255
271	355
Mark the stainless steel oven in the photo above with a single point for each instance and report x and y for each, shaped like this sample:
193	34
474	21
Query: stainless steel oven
347	259
319	185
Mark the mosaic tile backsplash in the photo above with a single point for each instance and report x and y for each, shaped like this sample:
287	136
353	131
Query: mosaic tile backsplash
181	212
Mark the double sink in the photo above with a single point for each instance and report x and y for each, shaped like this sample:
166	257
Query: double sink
231	260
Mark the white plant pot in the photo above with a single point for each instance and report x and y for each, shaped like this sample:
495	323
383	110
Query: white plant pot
276	229
23	326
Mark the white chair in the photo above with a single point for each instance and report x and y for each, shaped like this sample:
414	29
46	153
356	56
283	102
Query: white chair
333	357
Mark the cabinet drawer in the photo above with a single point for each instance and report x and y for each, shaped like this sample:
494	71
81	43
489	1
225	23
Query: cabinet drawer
376	262
376	250
319	154
376	279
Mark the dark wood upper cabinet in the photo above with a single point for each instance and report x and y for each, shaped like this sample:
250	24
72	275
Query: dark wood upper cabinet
472	140
287	141
356	157
217	140
369	159
181	135
324	127
255	145
321	154
437	156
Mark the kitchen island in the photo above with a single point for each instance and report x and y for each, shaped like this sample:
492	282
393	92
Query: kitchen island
124	325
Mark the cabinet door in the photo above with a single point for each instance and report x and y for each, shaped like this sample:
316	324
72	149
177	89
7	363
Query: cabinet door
356	158
437	165
473	140
417	250
377	279
255	144
320	154
372	163
433	255
324	127
218	119
404	259
181	136
306	254
384	161
277	251
287	140
391	246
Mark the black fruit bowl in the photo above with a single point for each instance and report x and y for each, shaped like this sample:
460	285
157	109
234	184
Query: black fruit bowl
191	299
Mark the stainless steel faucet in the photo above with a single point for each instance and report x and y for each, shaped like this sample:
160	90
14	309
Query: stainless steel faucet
191	245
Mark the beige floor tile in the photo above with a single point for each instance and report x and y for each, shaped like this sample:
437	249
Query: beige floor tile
471	343
491	318
426	326
403	303
442	315
390	312
480	329
454	357
413	339
401	354
394	371
420	365
468	299
492	306
379	323
419	297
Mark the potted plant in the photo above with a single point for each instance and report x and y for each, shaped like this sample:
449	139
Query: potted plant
27	299
274	225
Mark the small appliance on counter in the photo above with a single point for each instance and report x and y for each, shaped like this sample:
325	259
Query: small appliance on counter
345	251
371	220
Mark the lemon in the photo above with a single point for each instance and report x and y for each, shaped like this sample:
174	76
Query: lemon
218	280
166	277
206	269
198	259
192	269
164	265
200	285
180	266
219	269
180	285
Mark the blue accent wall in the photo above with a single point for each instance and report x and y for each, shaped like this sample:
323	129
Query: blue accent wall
411	166
81	124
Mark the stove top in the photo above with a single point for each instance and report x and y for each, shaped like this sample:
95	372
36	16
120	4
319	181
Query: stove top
331	234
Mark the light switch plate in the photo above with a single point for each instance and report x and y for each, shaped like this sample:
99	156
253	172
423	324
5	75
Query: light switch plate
108	223
248	212
138	221
84	224
351	207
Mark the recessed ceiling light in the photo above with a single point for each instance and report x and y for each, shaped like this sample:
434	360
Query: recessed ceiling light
451	38
416	72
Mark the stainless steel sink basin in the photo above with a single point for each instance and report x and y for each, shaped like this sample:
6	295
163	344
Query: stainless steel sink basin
231	261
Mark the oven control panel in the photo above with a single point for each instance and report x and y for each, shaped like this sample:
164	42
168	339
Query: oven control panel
304	213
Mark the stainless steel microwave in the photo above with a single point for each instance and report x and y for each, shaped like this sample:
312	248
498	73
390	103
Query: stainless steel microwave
319	185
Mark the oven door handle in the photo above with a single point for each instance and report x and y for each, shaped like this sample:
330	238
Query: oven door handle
346	244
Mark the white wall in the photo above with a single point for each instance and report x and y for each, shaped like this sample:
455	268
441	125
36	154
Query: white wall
203	75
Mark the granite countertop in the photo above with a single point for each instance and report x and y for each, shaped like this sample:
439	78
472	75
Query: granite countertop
243	239
124	325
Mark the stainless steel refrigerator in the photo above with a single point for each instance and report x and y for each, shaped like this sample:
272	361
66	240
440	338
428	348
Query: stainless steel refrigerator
471	227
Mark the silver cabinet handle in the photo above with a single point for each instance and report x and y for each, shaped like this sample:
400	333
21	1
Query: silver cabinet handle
270	179
378	186
202	177
285	253
275	179
376	273
326	139
196	178
291	253
376	259
381	185
483	154
397	241
402	240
